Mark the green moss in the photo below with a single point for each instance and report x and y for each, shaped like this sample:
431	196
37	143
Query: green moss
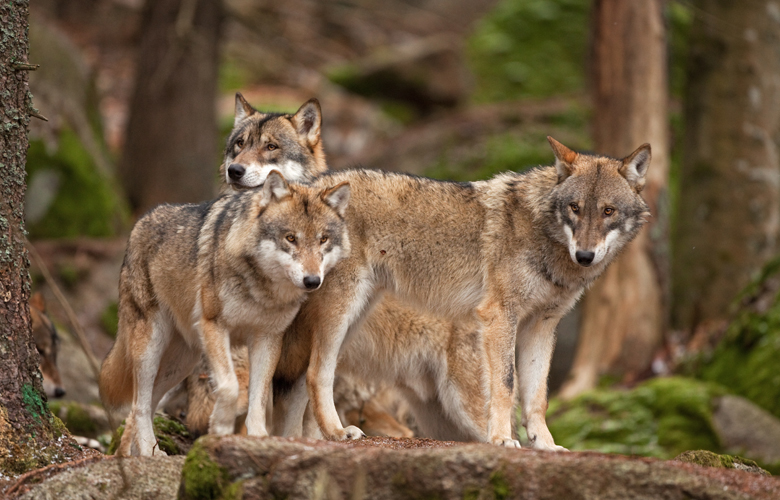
710	459
500	485
78	420
661	418
33	403
109	320
202	478
747	358
116	438
85	204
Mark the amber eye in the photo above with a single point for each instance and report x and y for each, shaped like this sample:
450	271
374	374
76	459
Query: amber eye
609	211
271	147
323	240
290	238
575	208
240	143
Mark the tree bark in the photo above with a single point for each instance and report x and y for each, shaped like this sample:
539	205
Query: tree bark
28	432
728	216
171	152
623	313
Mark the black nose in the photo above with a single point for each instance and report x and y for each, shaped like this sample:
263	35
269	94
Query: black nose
311	282
59	392
584	258
236	171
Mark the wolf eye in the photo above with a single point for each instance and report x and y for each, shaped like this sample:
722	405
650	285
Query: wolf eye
240	143
575	208
271	147
290	238
323	240
609	211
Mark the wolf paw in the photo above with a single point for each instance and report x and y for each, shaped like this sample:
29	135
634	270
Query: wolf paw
353	433
507	443
549	447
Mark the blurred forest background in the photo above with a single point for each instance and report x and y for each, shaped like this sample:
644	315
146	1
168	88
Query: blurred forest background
678	345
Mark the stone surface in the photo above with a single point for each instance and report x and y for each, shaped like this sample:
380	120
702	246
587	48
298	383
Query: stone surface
282	468
747	429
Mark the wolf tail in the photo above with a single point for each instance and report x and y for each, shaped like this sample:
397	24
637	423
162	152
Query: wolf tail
116	375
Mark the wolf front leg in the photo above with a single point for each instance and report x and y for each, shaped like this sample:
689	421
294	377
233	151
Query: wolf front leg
535	344
498	336
264	352
216	345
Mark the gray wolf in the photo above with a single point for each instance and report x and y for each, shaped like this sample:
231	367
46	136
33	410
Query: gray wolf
501	261
199	278
47	342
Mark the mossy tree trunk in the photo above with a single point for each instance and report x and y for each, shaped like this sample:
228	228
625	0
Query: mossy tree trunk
728	217
27	428
171	152
623	313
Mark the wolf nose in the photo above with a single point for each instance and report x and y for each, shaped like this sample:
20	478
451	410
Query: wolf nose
236	171
311	282
584	258
59	392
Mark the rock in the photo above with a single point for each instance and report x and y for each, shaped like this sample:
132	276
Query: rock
81	419
233	466
147	477
172	436
709	459
747	429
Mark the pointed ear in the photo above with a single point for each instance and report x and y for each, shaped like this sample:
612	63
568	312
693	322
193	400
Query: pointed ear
243	109
635	166
308	119
275	187
38	302
564	159
337	197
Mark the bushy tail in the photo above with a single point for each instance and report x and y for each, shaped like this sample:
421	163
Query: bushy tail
116	376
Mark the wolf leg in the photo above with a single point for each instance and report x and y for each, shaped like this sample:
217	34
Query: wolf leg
157	334
535	344
293	405
264	352
216	344
179	360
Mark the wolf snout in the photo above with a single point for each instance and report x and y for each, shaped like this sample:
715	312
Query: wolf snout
236	171
311	282
59	392
584	257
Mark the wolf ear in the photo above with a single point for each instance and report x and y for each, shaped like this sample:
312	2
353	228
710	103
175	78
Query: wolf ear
308	119
275	187
243	109
564	159
337	197
635	167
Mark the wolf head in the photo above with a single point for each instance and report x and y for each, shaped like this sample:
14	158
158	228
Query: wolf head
261	142
596	201
301	232
48	344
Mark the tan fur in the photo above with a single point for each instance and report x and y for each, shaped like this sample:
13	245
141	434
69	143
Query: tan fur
198	278
47	342
491	256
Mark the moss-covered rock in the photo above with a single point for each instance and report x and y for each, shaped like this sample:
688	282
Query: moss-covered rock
202	478
80	419
709	459
660	418
747	359
172	436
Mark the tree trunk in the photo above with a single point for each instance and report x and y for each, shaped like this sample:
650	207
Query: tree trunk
171	152
728	218
623	313
28	433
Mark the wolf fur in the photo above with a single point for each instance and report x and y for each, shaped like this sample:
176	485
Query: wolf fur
47	342
197	278
504	260
451	370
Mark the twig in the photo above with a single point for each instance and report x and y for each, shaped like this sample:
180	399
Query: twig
34	113
18	66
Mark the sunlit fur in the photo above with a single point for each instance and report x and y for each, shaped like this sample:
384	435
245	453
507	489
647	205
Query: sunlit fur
199	278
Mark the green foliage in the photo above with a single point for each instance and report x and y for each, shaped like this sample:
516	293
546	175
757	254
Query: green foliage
85	204
680	17
530	48
747	360
661	418
109	320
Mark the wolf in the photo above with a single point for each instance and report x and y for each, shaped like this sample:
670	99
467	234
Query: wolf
198	278
47	342
503	260
441	366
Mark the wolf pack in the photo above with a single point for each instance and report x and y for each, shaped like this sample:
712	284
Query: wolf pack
299	279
